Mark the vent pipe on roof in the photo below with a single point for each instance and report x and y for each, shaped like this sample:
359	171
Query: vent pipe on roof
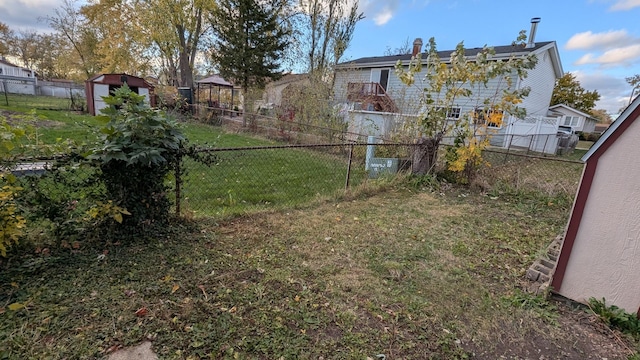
532	34
417	47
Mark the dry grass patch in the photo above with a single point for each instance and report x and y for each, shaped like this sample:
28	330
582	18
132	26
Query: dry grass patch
407	274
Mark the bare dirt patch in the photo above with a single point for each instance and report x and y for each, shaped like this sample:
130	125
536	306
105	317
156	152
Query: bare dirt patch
16	118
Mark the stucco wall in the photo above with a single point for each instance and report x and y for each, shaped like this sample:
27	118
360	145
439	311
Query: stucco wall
605	259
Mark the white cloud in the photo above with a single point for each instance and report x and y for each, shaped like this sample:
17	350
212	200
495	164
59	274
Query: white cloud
25	14
614	91
383	16
381	11
605	40
623	56
624	5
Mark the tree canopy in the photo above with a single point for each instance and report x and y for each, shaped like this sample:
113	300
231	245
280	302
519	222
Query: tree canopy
249	41
327	31
568	91
5	35
602	115
461	79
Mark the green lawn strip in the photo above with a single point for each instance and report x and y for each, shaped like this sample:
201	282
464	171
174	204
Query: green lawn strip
26	102
245	180
403	274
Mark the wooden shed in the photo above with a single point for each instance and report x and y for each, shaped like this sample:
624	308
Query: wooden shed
600	255
103	84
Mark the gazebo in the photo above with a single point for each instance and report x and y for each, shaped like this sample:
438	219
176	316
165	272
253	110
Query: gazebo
211	82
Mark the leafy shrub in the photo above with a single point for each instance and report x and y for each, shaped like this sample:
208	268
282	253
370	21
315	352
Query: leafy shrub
11	223
14	141
139	147
56	202
615	317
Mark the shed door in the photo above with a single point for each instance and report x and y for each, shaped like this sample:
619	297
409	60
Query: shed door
100	90
144	92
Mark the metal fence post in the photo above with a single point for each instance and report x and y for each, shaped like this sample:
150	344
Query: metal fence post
178	176
508	149
346	185
4	86
544	149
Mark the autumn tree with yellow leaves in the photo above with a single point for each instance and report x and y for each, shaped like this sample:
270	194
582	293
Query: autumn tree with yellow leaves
460	79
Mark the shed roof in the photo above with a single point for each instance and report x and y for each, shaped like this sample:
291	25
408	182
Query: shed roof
216	80
616	128
115	78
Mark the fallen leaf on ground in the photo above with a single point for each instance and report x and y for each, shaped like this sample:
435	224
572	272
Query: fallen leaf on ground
16	306
142	312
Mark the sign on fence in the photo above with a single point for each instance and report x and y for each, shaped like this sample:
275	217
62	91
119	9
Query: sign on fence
380	166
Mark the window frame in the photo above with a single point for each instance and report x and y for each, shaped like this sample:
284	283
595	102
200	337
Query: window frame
571	118
480	120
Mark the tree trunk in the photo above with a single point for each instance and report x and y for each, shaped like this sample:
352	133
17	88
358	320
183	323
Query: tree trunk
186	75
424	155
245	92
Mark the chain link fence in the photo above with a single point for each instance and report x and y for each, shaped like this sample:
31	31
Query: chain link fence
234	181
42	95
247	179
516	172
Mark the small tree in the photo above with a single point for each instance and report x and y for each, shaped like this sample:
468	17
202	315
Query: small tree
139	148
568	91
634	82
448	83
602	116
250	40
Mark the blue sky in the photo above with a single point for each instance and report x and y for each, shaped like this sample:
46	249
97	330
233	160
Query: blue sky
598	40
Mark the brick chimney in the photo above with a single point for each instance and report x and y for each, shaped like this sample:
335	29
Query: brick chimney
417	47
532	34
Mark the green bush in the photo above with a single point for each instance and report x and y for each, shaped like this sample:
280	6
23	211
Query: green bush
139	148
615	317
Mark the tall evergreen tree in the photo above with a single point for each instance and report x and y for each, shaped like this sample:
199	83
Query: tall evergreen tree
249	42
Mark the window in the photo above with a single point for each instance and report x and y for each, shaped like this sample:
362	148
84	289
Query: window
571	121
453	113
492	118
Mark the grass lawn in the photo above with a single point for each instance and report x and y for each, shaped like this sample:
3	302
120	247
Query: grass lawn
584	145
407	274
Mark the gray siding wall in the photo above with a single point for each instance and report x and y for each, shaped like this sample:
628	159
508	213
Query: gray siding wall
541	80
343	77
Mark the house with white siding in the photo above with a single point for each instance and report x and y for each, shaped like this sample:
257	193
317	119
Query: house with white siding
572	119
16	79
378	98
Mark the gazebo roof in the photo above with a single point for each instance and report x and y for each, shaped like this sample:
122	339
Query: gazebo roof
216	80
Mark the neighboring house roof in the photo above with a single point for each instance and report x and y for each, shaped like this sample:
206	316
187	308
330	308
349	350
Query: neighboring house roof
289	78
216	80
5	62
600	127
569	108
503	51
559	107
